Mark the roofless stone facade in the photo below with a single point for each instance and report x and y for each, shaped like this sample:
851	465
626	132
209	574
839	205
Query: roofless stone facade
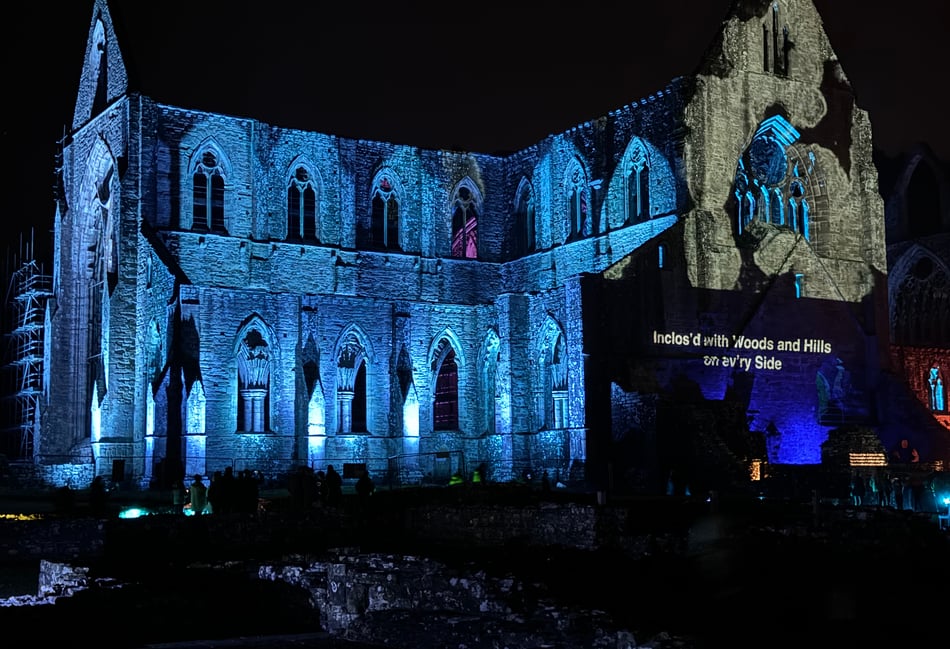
691	283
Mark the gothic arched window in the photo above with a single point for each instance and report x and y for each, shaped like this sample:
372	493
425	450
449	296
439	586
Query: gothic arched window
637	180
254	365
445	406
552	368
384	231
524	220
773	181
938	397
578	206
352	397
465	209
208	185
301	206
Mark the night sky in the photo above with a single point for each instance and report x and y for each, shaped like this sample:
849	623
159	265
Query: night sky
479	81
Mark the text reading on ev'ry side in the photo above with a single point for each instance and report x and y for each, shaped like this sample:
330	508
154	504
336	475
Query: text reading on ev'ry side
739	345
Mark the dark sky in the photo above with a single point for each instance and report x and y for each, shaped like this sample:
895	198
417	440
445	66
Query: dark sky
472	79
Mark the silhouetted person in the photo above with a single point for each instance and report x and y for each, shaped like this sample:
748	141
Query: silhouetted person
248	492
228	490
319	488
545	483
199	496
887	488
905	453
98	496
364	489
215	496
857	490
64	500
334	487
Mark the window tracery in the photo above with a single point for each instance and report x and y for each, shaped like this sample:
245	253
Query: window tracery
302	206
208	194
384	228
352	397
772	182
553	367
938	400
637	182
578	204
253	369
524	236
466	205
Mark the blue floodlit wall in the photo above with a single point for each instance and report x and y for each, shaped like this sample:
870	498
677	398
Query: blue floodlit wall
236	331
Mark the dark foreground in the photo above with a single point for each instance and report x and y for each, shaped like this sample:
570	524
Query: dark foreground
695	576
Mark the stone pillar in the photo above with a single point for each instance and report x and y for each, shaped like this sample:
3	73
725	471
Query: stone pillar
254	409
346	411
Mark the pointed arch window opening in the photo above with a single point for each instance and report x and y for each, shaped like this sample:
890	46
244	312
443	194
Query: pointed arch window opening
770	187
465	224
352	397
100	52
638	189
445	411
552	364
302	207
524	222
938	396
384	231
254	364
799	285
776	45
580	222
208	194
103	273
489	391
558	369
316	412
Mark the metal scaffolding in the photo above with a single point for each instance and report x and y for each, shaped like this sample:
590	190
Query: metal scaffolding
27	295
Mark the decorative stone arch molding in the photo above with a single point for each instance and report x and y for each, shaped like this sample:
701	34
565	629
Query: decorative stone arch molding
438	347
552	377
777	183
444	394
488	380
98	195
255	351
386	195
919	205
354	375
577	196
155	350
207	160
465	207
303	220
919	308
642	186
99	251
524	238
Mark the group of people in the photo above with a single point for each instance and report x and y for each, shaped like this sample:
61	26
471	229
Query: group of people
880	489
227	492
309	488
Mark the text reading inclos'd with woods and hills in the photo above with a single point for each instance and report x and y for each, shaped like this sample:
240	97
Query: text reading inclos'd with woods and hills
739	345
